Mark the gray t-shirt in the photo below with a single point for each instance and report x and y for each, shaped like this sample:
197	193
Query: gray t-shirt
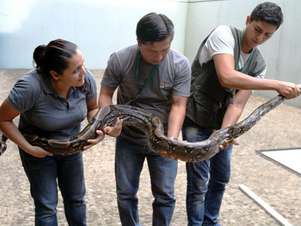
147	86
44	112
221	41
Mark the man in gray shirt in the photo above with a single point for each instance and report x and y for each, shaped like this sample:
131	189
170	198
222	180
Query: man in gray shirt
152	76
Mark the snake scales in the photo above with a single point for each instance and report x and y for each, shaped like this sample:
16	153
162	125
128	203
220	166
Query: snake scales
152	126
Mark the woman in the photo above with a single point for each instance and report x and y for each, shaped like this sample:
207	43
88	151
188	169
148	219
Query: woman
52	100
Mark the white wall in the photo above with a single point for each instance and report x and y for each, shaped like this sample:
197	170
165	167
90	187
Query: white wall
99	27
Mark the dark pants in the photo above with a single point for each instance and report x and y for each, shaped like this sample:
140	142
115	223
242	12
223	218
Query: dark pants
204	195
43	175
129	161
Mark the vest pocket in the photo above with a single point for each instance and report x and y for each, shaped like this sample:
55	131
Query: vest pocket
207	111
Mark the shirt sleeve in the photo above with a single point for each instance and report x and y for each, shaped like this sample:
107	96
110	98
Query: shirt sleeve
220	41
91	86
182	78
112	74
24	93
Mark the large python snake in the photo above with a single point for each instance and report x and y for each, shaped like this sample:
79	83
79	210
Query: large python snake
152	126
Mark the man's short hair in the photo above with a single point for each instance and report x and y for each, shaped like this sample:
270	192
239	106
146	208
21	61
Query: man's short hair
268	12
154	27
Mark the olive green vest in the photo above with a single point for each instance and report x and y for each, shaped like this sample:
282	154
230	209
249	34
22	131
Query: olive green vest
209	100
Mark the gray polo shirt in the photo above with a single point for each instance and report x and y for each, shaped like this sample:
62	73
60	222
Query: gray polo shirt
44	112
147	86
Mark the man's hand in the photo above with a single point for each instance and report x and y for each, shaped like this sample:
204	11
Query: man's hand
115	130
165	153
92	142
226	143
288	90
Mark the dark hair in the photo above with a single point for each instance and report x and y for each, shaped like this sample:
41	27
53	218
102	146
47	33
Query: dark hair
268	12
154	27
54	56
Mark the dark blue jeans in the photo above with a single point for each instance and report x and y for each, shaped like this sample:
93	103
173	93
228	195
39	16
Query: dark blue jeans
43	175
129	159
204	195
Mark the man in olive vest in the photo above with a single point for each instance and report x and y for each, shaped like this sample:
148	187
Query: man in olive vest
227	66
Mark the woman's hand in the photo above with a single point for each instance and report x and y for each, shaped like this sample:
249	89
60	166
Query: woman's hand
92	142
115	130
38	152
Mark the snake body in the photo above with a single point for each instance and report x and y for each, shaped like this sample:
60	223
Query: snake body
152	126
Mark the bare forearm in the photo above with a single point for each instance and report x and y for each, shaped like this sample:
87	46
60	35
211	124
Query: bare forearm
105	97
91	114
231	78
232	115
238	80
11	131
235	108
175	120
105	101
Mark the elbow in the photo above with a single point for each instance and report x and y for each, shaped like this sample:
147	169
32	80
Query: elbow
226	80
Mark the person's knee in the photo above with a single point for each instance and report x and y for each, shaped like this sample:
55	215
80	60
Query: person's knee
45	209
75	202
196	189
126	194
221	177
74	197
164	191
164	199
219	184
197	185
75	211
196	196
